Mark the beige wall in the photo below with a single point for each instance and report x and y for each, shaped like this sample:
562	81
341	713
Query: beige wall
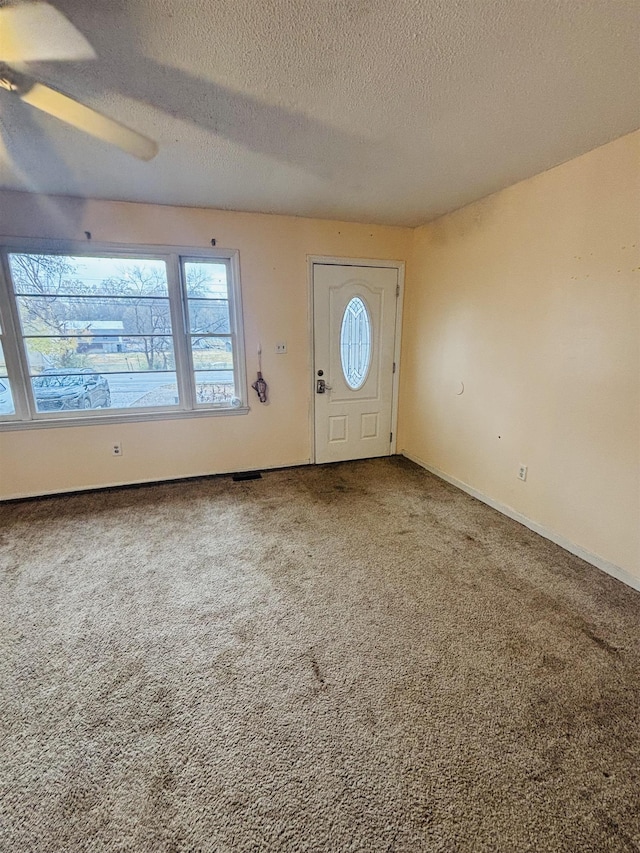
531	298
273	261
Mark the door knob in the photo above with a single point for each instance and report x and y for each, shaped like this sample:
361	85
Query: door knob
322	387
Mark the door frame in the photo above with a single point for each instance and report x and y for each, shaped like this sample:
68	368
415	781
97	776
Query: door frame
354	262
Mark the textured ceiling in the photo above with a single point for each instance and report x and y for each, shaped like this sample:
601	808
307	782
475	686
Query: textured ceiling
391	112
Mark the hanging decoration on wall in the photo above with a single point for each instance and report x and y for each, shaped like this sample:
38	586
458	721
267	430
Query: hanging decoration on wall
260	386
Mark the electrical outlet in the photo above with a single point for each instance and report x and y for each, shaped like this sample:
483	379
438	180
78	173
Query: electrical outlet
281	347
116	449
522	472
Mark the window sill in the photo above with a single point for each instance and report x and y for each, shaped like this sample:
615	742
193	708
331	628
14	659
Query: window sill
120	418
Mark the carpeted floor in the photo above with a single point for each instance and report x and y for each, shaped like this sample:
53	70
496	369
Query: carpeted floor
355	657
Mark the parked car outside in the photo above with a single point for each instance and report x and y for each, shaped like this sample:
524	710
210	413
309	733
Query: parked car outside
58	390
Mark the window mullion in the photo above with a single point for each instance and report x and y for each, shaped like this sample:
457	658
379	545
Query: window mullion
237	328
184	367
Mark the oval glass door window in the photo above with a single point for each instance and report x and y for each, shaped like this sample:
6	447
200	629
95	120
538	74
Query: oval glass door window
355	343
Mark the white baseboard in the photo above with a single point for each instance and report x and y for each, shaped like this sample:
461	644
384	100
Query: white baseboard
120	484
599	562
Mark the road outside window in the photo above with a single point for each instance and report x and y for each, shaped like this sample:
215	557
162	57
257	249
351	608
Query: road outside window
100	333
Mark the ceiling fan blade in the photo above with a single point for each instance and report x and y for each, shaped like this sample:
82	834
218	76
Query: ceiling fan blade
90	121
36	32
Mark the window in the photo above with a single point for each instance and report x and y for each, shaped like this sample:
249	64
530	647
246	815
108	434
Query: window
113	334
355	343
210	340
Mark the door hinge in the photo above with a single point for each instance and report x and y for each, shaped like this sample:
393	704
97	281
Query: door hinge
397	290
390	437
394	367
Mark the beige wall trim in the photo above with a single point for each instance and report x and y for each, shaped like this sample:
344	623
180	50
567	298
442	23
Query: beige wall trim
600	563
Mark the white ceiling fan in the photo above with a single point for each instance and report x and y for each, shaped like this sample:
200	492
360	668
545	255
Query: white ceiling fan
36	32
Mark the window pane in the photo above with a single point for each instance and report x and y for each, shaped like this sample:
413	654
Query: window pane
209	316
221	343
212	359
139	390
97	331
215	386
148	352
211	339
206	279
6	398
58	391
76	275
355	343
94	319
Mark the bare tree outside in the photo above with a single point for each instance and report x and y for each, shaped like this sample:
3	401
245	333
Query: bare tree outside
113	316
48	279
146	313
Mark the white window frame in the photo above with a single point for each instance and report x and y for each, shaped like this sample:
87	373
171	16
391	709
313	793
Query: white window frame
26	416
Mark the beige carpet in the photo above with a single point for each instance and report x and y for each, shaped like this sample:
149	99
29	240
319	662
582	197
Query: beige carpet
348	658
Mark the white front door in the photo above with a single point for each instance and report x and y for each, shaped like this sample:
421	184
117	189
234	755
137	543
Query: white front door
354	316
